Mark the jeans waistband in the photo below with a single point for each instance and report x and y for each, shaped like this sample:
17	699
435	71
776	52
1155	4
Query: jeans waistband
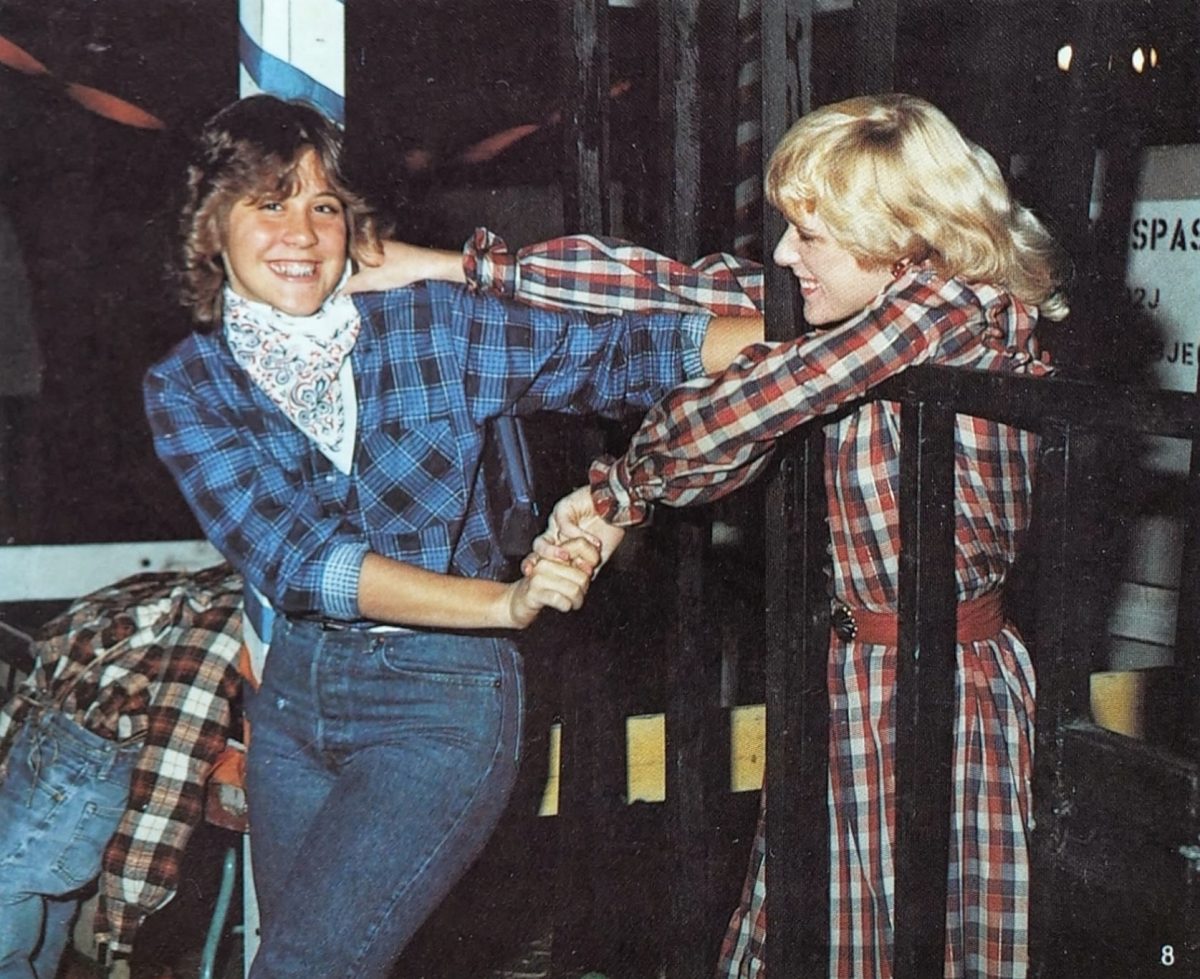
64	726
327	624
53	735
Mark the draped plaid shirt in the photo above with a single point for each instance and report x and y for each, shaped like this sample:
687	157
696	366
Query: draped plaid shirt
432	364
151	658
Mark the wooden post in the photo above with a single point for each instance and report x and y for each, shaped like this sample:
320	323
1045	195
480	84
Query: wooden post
1050	503
797	607
583	30
874	56
925	688
697	753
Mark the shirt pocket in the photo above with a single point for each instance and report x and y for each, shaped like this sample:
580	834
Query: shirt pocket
411	476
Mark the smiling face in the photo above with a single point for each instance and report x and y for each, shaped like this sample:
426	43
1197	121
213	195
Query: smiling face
833	283
288	251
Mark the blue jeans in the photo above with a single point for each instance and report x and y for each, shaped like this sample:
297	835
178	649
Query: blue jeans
378	766
64	794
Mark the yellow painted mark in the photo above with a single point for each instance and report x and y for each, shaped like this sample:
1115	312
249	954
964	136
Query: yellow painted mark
646	756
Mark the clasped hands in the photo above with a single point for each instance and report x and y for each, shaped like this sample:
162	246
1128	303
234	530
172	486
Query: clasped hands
569	553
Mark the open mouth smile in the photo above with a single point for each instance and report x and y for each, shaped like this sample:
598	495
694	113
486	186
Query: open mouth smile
294	270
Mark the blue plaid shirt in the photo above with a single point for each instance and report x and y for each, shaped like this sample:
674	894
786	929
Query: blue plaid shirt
431	365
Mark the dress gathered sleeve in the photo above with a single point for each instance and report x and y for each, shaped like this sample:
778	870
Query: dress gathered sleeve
605	274
709	437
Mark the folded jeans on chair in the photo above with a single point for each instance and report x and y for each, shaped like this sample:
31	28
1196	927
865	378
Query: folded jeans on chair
63	794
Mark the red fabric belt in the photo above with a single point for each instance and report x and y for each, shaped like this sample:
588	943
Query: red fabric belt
979	618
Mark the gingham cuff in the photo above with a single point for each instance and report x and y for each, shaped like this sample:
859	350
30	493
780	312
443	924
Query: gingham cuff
693	328
489	266
339	581
115	927
612	496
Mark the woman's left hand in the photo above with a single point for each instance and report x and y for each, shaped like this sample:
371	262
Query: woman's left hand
550	583
402	264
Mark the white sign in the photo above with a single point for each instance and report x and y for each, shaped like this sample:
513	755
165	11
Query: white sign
1163	277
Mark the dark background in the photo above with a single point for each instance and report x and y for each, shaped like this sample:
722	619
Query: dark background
93	202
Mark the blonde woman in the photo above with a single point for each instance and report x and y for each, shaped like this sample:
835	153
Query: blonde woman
908	249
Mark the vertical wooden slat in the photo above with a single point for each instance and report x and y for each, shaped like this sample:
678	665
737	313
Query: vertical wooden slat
786	92
1187	625
874	55
1050	506
679	113
583	33
697	753
589	747
798	712
584	805
797	604
925	687
697	756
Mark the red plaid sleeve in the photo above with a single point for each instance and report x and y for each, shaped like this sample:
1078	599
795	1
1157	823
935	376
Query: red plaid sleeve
188	723
608	275
710	436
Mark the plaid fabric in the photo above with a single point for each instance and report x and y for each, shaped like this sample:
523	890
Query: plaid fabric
152	657
710	437
743	950
432	364
607	275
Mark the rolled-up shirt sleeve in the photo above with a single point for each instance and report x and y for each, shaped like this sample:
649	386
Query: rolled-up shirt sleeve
711	436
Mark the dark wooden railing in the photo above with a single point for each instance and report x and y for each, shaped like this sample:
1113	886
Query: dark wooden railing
1156	786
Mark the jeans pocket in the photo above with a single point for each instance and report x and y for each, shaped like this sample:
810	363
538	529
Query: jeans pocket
79	861
441	661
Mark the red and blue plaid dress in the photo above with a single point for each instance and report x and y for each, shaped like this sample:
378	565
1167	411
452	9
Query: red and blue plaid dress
711	436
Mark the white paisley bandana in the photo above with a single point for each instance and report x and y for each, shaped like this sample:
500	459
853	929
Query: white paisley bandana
298	362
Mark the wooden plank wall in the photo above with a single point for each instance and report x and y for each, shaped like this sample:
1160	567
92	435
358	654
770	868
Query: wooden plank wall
795	603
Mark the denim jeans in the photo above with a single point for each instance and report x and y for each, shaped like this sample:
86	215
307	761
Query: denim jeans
62	798
378	766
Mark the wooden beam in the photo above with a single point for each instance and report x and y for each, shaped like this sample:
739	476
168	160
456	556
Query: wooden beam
925	688
583	33
874	57
797	607
679	115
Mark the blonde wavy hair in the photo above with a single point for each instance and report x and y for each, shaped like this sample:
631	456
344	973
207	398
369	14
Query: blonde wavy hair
894	180
251	149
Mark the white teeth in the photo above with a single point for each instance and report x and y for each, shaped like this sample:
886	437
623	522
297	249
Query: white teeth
296	269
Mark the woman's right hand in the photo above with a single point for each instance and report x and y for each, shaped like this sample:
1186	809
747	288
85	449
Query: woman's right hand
575	516
402	264
556	583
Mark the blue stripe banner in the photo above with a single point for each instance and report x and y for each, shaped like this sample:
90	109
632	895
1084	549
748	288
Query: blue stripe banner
272	74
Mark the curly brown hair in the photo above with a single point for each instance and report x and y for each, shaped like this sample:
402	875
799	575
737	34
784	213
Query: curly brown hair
251	149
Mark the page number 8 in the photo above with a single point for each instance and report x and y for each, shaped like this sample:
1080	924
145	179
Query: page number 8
1168	955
